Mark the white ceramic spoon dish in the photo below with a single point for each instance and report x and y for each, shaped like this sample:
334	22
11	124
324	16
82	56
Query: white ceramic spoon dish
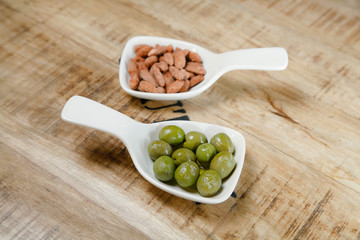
215	64
136	136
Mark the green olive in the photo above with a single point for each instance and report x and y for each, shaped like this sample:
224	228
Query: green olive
164	168
159	148
222	142
223	163
208	183
187	173
182	155
172	134
194	139
204	153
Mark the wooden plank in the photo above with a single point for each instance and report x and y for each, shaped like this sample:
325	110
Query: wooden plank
91	183
258	188
330	56
24	193
300	179
280	112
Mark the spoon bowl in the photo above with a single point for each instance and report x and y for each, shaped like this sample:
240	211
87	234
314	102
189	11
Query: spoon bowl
136	136
215	64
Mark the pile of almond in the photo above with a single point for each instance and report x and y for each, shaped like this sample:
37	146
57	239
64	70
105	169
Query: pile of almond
161	69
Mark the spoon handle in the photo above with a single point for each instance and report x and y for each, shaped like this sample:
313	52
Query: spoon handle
83	111
273	58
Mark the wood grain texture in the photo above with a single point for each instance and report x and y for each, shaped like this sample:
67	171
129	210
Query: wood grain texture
301	176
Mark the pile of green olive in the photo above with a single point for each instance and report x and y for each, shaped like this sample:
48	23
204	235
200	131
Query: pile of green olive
191	160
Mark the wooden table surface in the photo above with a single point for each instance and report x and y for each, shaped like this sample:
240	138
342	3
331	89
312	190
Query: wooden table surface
301	176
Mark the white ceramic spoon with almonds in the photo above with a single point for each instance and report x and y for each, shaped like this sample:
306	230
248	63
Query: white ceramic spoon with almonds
136	136
215	64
